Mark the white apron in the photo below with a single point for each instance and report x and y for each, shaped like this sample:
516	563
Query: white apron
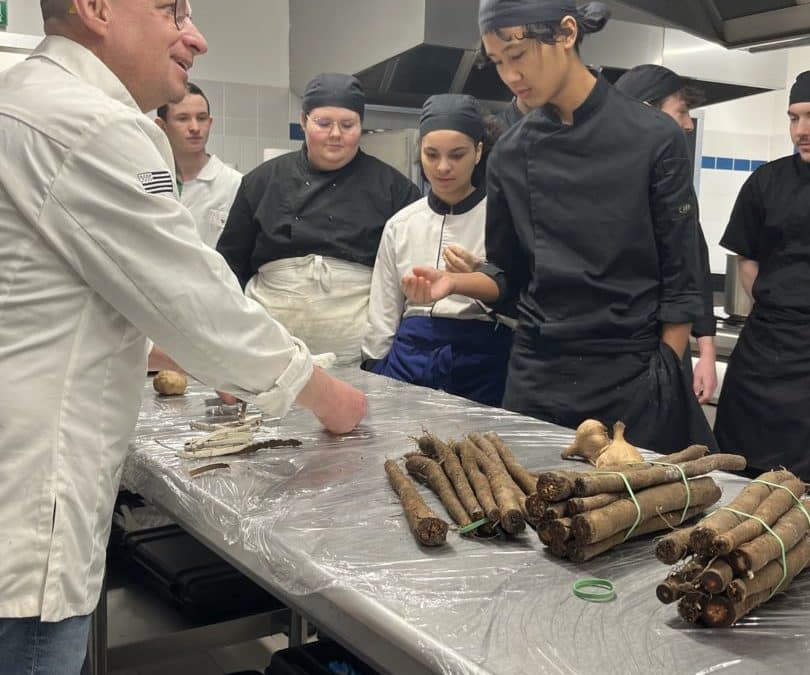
320	300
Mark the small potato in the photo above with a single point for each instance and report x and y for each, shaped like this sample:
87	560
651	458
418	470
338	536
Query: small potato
170	383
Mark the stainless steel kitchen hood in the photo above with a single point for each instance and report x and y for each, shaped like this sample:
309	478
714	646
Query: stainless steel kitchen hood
745	24
405	51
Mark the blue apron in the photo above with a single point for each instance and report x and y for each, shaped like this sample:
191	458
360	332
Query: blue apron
468	358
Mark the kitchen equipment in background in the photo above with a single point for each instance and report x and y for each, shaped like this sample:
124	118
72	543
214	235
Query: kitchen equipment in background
738	304
399	148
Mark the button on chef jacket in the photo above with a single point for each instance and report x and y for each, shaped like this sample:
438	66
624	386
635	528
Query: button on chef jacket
98	254
764	406
592	226
286	208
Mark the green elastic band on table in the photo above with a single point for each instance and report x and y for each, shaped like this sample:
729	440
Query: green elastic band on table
607	593
776	536
686	483
473	526
633	497
782	487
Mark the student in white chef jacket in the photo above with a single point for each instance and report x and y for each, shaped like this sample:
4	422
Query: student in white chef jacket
207	186
97	253
453	345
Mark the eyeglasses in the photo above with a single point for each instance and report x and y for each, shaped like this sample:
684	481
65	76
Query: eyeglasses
181	10
182	13
345	126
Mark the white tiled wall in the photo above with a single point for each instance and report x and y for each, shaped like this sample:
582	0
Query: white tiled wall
247	119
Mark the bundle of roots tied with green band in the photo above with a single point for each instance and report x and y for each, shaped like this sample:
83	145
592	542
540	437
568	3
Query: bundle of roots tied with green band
580	515
739	556
479	481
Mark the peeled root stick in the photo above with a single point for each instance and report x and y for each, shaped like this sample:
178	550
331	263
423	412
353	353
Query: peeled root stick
595	526
776	504
526	481
769	576
455	473
753	555
747	501
596	483
582	552
674	546
426	526
716	577
503	489
468	454
429	471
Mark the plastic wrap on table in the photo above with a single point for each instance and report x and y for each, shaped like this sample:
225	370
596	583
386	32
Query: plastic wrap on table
323	517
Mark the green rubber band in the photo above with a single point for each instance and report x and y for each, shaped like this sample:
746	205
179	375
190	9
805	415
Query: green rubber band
686	483
633	497
776	536
782	487
607	593
473	526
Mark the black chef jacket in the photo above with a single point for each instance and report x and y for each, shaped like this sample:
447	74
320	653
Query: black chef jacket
764	407
509	116
593	226
285	208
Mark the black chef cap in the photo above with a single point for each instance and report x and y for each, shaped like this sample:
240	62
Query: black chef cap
458	112
649	83
495	14
334	89
800	91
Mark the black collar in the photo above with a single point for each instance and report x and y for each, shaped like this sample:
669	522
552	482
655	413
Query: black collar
465	205
590	105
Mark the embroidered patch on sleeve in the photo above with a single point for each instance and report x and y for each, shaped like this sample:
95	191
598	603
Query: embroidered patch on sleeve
156	182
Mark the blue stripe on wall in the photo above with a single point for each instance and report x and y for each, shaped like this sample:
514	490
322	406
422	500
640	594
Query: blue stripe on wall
730	163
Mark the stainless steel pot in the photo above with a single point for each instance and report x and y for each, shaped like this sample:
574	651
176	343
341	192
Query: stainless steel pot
737	302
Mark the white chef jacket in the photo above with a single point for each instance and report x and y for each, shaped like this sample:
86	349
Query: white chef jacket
417	235
97	253
209	197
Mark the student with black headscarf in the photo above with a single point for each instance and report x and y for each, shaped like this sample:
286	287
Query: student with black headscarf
764	408
591	224
453	345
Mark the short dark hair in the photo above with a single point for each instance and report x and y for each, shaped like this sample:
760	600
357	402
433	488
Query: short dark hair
547	32
191	89
691	95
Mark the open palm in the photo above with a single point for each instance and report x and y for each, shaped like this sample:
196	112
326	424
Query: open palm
426	285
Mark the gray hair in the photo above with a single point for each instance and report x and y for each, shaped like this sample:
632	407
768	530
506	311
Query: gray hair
52	8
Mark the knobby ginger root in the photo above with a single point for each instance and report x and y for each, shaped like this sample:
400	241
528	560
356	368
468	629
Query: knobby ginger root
618	451
591	437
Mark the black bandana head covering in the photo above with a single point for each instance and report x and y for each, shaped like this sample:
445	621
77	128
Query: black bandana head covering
495	14
457	112
649	83
334	89
800	91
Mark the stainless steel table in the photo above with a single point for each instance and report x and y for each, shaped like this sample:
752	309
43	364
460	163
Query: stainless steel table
320	528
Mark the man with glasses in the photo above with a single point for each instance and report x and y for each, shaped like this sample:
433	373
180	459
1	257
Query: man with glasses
97	254
303	232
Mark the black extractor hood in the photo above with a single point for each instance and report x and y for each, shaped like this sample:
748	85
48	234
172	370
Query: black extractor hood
754	25
406	50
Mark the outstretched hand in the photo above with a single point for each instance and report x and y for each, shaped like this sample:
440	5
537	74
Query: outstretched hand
426	285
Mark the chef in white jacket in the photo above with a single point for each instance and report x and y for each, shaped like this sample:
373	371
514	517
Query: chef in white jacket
97	253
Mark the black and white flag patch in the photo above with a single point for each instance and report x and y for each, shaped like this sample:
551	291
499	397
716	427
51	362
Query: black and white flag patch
156	182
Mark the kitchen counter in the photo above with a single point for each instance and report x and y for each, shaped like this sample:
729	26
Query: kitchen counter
320	528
